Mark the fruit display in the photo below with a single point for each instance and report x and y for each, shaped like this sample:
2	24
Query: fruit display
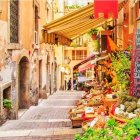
89	107
117	114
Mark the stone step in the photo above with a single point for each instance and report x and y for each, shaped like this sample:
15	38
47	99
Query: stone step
39	112
50	132
58	102
35	124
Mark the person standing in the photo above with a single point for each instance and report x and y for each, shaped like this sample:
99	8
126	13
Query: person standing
75	84
69	84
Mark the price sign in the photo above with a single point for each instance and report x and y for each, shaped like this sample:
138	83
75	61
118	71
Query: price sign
135	66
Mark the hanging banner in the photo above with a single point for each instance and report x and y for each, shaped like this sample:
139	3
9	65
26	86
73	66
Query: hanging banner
106	7
135	66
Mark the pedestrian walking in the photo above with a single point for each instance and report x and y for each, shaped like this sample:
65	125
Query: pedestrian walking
69	84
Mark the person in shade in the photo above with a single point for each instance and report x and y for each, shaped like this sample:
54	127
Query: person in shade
75	84
69	84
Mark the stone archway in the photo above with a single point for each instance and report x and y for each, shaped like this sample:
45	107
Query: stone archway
24	83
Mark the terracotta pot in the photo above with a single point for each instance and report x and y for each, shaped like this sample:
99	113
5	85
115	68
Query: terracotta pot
94	36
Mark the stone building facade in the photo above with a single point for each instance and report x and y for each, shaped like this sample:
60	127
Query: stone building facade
25	61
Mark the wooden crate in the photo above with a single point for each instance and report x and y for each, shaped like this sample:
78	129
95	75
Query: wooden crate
76	123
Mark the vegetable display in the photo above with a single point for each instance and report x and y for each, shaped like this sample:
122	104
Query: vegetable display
113	130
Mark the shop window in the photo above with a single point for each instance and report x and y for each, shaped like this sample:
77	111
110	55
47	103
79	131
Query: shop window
14	21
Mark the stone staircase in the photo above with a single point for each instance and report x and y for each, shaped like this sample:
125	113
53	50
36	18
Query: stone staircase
47	121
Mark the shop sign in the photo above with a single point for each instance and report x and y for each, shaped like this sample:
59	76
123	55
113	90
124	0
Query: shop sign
106	7
135	66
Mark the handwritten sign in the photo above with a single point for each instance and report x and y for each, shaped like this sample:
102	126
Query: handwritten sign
135	66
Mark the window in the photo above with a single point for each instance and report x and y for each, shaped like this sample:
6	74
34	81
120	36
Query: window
0	6
133	14
36	18
47	14
79	54
14	9
73	55
36	25
138	12
85	53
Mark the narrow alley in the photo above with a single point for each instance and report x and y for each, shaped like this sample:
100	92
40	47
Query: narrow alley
47	121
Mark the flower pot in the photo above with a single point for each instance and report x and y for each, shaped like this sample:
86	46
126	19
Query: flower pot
94	36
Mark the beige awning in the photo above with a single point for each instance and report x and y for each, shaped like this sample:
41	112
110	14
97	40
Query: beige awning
77	23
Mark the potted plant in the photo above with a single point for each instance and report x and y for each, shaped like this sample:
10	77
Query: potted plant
93	33
7	104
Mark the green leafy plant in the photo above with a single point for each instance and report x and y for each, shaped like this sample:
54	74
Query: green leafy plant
121	65
7	104
111	123
93	31
73	7
113	130
73	44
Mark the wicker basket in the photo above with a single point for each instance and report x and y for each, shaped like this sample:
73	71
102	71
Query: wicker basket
112	115
122	120
76	112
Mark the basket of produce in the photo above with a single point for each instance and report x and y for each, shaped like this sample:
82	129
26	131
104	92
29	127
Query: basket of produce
76	120
126	109
80	102
75	111
97	122
88	116
96	100
108	102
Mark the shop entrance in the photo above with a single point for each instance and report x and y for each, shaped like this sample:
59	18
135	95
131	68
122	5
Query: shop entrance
24	83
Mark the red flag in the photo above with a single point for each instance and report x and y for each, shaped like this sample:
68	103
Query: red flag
107	7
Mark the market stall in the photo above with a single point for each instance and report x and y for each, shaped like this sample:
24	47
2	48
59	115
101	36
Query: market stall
108	107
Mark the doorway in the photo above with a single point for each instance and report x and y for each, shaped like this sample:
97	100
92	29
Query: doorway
24	83
40	75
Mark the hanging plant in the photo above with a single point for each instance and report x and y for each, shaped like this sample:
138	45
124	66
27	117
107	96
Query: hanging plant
93	33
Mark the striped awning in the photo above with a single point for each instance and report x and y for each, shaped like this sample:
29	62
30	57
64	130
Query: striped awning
83	68
78	22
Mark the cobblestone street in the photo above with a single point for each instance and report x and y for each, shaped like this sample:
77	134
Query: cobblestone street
47	121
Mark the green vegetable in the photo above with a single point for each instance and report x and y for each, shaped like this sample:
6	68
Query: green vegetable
113	130
111	123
